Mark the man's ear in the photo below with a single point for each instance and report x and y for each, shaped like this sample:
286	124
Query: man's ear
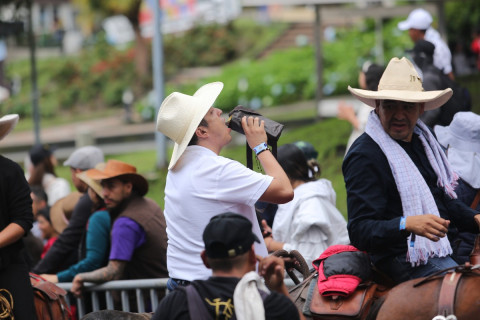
129	186
377	106
203	255
201	132
252	256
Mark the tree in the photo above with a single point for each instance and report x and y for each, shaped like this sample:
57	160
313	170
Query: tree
92	12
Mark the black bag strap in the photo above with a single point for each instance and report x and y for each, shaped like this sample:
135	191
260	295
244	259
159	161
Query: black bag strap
196	305
249	157
249	153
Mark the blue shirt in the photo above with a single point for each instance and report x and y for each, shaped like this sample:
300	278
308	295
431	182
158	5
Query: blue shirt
97	245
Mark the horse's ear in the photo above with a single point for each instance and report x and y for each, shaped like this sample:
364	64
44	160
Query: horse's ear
203	255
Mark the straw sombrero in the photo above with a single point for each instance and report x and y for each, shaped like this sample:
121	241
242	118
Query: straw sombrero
180	115
7	123
400	81
62	210
119	169
95	185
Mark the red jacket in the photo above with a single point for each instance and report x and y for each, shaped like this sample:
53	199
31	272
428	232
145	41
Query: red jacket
341	268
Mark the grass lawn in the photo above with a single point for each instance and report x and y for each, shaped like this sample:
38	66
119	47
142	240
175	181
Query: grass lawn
328	136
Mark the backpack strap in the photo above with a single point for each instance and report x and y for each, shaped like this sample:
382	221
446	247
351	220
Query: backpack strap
249	157
195	304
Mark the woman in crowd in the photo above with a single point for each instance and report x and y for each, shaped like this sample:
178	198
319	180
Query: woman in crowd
96	246
309	223
49	234
41	172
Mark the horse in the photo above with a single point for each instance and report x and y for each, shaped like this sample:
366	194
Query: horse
49	300
436	297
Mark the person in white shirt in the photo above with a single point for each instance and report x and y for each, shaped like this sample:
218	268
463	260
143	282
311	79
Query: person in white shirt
42	173
311	222
419	27
201	184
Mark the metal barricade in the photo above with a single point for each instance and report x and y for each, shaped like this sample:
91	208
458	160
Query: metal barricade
125	287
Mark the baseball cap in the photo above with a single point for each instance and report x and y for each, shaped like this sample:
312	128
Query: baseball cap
307	148
85	158
423	47
419	19
39	152
228	235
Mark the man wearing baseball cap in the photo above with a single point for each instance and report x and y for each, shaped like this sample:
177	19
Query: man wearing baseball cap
419	26
230	253
63	253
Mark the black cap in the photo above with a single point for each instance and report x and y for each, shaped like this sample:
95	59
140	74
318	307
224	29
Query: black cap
228	235
39	152
425	47
308	149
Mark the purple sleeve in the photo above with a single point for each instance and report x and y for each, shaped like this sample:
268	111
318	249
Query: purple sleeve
127	235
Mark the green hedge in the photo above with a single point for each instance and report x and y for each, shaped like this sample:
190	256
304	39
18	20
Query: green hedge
96	79
290	75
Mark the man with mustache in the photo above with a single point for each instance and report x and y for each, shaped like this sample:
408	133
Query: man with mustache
138	236
400	187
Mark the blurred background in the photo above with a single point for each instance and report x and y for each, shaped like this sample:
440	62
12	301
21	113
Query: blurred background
82	71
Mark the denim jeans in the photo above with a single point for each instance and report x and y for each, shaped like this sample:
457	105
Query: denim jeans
172	284
400	270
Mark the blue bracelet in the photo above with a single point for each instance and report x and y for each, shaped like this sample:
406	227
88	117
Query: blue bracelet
403	223
261	147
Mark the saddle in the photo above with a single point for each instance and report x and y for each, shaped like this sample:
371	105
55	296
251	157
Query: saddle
306	296
50	303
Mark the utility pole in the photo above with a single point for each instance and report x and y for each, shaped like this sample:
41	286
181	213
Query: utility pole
33	75
158	82
318	59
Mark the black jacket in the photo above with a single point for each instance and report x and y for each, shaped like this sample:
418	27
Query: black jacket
64	251
15	206
374	204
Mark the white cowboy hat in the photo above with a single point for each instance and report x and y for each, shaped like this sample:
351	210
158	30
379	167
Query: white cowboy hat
462	141
7	123
463	133
180	115
400	81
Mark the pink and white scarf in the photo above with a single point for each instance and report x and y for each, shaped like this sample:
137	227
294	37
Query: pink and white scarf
414	192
